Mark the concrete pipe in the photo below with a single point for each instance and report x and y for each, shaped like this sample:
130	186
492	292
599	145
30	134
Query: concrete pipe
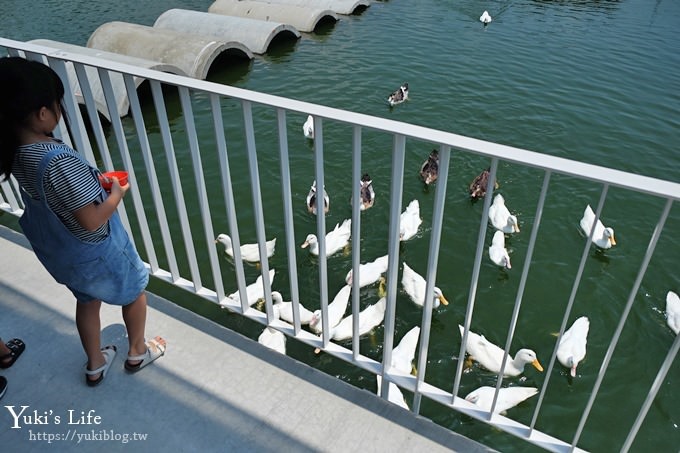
255	34
345	7
192	53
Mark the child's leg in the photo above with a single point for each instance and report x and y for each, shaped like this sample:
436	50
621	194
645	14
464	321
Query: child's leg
134	316
89	329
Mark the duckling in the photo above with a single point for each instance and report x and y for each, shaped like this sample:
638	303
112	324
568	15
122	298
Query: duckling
603	236
367	192
429	171
399	95
485	18
500	217
311	200
478	185
497	252
308	127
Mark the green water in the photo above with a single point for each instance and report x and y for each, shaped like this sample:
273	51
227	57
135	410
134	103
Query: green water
595	81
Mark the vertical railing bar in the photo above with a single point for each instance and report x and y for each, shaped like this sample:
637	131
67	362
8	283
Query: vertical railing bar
431	278
187	113
138	118
117	126
288	218
168	147
475	274
201	191
7	187
75	118
228	193
396	196
567	311
93	114
321	229
656	385
356	229
257	206
624	316
522	284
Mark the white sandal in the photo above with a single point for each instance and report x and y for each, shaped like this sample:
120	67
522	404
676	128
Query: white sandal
154	350
109	354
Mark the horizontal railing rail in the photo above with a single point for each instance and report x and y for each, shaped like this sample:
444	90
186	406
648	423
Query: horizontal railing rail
174	229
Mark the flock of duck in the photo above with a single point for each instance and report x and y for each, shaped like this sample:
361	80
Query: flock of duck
572	344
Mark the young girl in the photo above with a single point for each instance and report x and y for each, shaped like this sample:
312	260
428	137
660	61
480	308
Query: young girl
70	221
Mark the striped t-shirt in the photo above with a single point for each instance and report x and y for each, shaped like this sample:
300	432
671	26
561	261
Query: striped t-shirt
68	181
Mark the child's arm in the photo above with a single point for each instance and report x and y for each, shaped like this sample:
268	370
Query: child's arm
92	216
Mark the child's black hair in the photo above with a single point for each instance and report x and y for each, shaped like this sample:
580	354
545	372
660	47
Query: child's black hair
25	87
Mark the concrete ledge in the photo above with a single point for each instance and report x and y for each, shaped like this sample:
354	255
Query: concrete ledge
122	101
255	34
303	19
345	7
192	53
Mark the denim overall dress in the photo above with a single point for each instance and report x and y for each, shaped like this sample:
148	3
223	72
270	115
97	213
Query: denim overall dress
110	270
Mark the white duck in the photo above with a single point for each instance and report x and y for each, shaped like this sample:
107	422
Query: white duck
673	311
394	394
285	309
367	193
311	200
497	251
409	221
273	339
335	240
485	18
254	291
490	356
336	310
249	252
405	352
398	96
369	318
369	273
507	397
414	285
308	127
500	216
602	237
572	347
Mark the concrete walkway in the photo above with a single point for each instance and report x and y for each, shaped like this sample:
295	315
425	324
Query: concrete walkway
215	390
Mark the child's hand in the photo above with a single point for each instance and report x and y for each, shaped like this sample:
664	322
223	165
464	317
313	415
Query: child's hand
117	188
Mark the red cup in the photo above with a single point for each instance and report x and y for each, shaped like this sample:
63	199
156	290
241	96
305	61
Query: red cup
106	179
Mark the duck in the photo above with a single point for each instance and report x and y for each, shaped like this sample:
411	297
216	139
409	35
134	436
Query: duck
308	127
273	339
249	252
490	356
398	96
673	311
367	193
429	171
335	240
311	200
603	237
478	185
497	251
394	394
336	310
369	318
485	18
254	291
285	309
404	353
500	216
409	221
369	273
572	347
414	285
507	397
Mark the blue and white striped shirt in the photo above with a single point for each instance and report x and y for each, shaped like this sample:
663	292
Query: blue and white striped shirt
68	182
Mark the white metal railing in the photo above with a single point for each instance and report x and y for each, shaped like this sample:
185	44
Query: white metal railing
73	65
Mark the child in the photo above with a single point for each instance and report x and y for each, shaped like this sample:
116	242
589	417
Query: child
70	221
